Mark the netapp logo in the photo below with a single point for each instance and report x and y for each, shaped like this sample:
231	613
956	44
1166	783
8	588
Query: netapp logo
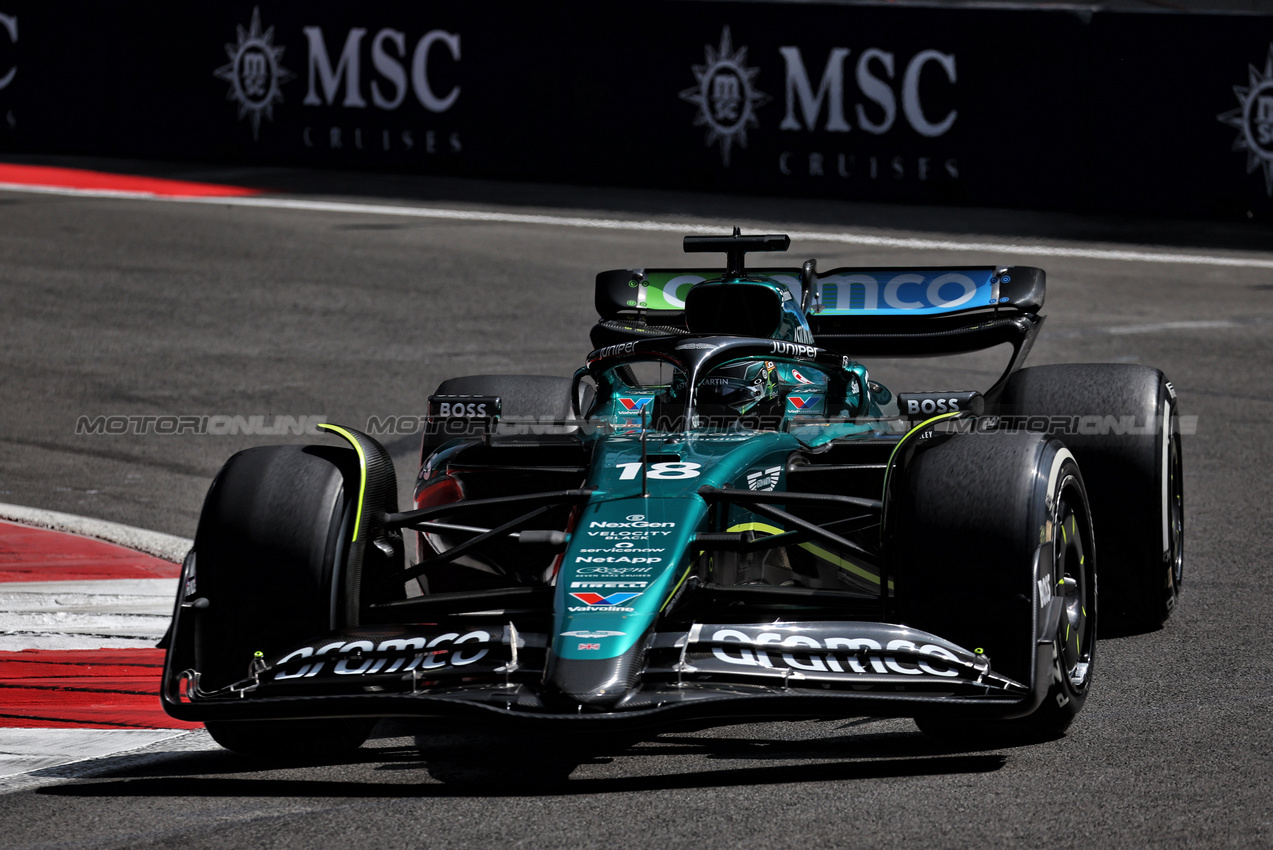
592	559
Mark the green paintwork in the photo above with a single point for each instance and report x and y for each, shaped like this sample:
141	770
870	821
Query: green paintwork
622	537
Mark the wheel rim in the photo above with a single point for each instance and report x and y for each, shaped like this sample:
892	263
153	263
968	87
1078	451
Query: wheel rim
1176	514
1074	586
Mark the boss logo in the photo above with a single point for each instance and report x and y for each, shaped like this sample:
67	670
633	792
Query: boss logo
933	404
460	408
464	407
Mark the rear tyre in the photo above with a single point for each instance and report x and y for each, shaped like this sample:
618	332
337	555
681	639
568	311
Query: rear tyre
1122	424
271	549
987	530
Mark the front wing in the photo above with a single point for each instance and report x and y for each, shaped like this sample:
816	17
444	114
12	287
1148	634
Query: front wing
471	666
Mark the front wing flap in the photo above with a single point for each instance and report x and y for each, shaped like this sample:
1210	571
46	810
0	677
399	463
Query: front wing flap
820	668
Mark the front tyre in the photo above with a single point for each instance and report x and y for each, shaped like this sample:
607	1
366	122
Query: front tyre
271	553
994	550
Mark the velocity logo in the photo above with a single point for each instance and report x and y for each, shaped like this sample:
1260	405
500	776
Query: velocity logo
1253	120
596	599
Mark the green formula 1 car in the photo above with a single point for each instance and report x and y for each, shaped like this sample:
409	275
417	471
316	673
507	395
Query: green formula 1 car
721	515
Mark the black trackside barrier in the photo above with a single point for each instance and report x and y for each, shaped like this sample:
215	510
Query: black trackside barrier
1059	108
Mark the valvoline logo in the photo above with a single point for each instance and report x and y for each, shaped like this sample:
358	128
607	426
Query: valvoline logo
598	599
804	402
636	405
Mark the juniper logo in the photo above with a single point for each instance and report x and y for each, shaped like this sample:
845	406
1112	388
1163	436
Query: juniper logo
255	73
1253	120
726	96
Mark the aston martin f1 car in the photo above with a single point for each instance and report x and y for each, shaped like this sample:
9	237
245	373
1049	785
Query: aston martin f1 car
719	516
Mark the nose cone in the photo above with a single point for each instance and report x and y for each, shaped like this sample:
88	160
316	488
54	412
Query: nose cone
600	682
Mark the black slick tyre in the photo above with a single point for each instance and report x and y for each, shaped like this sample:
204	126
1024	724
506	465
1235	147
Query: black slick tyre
270	552
993	549
1122	423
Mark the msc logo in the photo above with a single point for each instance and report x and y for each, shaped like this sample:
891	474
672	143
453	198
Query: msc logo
255	73
726	96
9	23
1253	120
863	89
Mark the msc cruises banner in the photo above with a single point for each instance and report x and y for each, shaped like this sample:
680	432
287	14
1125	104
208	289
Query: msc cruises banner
1045	108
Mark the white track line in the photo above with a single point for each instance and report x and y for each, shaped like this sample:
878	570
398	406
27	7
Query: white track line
105	614
841	237
165	546
25	750
31	758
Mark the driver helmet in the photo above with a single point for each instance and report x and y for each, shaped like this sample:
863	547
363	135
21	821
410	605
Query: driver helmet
746	392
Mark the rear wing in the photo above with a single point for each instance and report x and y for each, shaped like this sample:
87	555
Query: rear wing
893	312
857	310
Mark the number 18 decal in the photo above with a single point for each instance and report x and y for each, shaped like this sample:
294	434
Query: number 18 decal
667	469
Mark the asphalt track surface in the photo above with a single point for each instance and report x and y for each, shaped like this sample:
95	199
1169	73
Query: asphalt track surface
158	308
